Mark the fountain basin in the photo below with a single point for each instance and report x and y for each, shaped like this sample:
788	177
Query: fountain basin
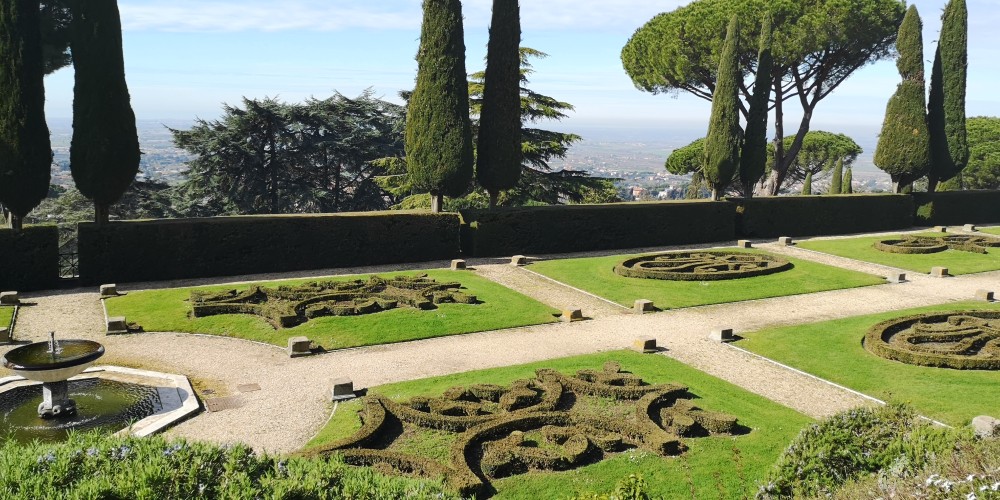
36	362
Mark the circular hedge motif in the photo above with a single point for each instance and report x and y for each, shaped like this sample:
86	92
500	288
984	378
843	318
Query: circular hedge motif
924	245
964	340
701	266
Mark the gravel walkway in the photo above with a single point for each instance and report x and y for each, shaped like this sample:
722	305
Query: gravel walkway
291	405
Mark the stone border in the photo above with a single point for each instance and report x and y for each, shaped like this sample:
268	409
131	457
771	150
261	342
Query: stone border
175	392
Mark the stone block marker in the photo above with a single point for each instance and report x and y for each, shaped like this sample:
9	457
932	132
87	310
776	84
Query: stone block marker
117	325
985	295
744	244
645	345
9	299
4	335
110	290
571	314
786	241
343	389
299	346
722	335
940	229
518	260
986	426
897	278
939	272
970	228
458	265
643	306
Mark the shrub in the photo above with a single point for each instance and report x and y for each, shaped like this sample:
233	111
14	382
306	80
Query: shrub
957	207
822	215
29	260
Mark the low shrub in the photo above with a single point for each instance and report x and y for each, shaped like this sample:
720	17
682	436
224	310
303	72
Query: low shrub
29	260
952	339
956	207
770	217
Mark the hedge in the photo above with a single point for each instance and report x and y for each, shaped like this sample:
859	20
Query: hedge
822	215
229	246
578	228
29	260
957	207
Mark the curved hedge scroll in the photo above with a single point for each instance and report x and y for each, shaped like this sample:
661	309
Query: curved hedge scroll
288	306
957	339
924	245
701	266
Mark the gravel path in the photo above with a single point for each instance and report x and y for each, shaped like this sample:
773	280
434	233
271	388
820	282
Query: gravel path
292	403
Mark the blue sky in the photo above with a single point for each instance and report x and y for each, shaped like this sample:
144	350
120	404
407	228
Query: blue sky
184	58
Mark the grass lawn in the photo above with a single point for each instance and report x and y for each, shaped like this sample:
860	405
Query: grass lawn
709	469
596	275
499	307
6	315
832	350
956	261
991	230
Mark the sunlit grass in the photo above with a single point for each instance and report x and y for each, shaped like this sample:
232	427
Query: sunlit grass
956	261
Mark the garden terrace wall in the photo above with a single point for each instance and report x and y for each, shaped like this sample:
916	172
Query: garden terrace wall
29	260
957	207
577	228
822	215
231	246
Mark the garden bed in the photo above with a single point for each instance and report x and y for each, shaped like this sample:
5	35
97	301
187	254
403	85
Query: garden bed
6	316
957	262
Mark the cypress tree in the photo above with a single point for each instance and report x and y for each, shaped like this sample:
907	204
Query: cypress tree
836	186
25	150
946	103
498	155
753	159
438	138
848	184
903	149
722	143
807	185
104	153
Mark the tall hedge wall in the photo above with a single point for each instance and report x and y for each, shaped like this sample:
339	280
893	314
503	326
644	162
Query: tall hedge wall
29	260
577	228
822	215
957	207
230	246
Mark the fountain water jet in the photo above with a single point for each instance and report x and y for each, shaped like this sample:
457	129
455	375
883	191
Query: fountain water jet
52	363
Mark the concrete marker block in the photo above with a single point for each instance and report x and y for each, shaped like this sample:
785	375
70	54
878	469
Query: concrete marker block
722	335
343	390
458	265
9	299
970	227
643	306
986	427
117	325
897	278
571	314
518	260
299	346
109	290
940	229
645	345
786	241
744	244
985	295
939	272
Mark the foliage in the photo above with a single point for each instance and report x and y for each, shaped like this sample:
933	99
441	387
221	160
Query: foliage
956	208
633	487
851	444
104	153
837	178
722	143
903	149
847	187
55	24
774	216
25	151
439	147
144	199
983	170
687	159
498	152
946	108
817	45
957	262
753	156
30	258
273	157
95	466
807	184
820	153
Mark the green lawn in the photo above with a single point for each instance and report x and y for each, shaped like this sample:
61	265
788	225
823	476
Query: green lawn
596	275
713	467
499	307
832	350
991	230
956	261
6	315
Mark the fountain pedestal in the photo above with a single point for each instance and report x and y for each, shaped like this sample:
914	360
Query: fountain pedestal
55	400
52	363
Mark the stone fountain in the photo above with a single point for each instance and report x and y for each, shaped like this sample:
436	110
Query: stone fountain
52	363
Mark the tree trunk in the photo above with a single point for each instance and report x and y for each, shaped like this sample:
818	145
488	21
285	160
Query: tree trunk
16	223
494	195
774	180
715	193
102	213
437	202
932	183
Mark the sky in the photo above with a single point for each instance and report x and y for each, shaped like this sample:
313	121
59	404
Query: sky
185	58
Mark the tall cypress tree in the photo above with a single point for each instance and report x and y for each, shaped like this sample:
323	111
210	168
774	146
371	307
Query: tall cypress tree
25	150
836	181
903	149
498	155
807	184
753	159
946	103
722	143
104	154
438	139
848	184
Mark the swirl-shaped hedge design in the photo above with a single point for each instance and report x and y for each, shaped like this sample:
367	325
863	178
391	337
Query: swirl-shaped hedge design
552	422
701	266
926	245
965	340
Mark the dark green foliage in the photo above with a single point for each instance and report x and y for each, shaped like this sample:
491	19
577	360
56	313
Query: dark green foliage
957	207
498	160
807	184
722	143
231	246
903	149
837	178
29	259
687	159
701	266
946	108
25	151
983	170
104	154
822	215
55	23
954	339
753	156
847	187
819	154
439	153
632	487
576	228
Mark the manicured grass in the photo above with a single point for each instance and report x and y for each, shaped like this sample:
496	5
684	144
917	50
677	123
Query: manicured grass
499	307
709	469
596	275
832	350
956	261
991	230
6	315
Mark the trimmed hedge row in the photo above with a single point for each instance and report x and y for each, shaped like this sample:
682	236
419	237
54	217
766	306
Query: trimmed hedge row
229	246
956	207
29	260
577	228
882	340
822	215
701	266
